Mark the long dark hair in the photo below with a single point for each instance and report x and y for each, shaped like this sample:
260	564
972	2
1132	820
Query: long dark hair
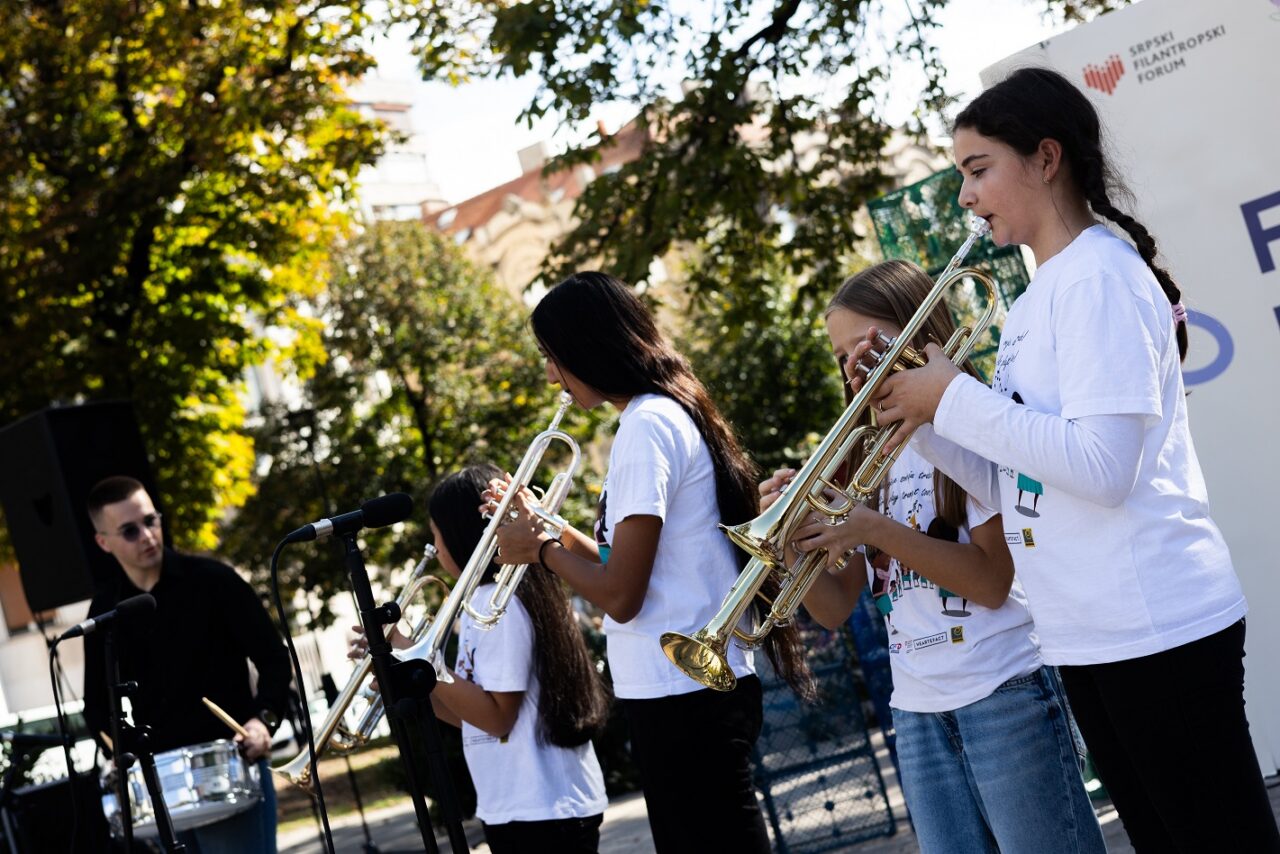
1035	104
892	291
573	702
597	329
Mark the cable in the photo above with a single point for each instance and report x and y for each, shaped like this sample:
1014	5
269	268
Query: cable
66	742
302	693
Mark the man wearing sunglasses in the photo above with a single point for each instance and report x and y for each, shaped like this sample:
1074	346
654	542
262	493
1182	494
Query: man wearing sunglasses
207	626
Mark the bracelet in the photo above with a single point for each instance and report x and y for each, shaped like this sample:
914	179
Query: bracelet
542	560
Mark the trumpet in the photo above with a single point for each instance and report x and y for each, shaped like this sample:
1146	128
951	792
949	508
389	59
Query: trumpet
334	733
703	655
431	647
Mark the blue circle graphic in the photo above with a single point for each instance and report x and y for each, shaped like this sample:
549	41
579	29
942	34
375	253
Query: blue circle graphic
1226	349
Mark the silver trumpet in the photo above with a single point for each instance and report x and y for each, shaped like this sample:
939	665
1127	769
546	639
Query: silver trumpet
334	733
431	647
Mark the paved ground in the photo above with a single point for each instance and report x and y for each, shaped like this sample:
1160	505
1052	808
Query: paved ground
626	830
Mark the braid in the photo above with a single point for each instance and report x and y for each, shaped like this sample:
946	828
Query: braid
1093	181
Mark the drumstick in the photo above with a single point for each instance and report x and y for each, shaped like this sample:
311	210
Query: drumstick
106	739
225	718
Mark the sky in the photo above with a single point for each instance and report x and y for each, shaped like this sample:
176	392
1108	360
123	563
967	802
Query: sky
472	136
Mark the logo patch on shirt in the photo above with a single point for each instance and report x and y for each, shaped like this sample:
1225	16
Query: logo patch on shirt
1028	540
931	640
957	634
1013	538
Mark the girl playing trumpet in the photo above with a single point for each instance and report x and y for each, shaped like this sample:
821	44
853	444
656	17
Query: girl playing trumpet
525	693
1131	583
657	560
987	759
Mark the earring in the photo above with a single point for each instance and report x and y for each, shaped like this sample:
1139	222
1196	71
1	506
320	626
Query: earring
1046	179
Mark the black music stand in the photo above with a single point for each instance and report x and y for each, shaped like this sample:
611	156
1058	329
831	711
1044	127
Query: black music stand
130	743
406	688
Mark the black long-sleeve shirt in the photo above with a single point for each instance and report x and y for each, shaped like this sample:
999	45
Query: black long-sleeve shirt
207	625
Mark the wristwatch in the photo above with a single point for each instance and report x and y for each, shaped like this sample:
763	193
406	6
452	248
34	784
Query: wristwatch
271	719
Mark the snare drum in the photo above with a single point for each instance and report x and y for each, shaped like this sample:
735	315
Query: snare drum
202	784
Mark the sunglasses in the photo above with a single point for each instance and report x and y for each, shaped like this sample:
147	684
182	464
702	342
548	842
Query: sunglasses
130	532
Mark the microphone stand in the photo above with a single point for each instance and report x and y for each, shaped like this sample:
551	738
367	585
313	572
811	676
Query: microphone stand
130	744
406	688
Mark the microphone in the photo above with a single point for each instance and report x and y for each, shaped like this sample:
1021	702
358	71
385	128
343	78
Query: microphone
128	609
375	513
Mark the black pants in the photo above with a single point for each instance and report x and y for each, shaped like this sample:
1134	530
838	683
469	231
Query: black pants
694	755
559	835
1168	735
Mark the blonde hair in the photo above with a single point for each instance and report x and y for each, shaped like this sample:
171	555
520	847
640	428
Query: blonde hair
893	291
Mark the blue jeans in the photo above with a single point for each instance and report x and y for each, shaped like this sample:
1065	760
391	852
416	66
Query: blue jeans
998	775
250	832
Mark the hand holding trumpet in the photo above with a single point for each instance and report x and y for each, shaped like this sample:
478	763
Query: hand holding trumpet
522	533
911	397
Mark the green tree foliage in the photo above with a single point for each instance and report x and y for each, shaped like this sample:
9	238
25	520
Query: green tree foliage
431	367
736	343
171	176
773	146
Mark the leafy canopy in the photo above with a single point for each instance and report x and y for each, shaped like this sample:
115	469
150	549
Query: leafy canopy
171	176
432	367
772	145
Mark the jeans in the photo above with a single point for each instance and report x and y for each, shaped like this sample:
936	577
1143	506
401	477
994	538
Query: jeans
250	832
1168	735
694	756
998	775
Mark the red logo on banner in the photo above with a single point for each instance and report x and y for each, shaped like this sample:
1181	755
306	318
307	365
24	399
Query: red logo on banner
1104	77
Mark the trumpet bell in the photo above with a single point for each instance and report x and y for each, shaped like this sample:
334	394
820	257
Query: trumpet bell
701	659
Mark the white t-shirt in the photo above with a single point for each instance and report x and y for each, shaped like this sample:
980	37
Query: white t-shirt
518	778
945	651
660	466
1094	335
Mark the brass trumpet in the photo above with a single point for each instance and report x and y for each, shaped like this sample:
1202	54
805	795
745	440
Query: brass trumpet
431	647
334	733
703	655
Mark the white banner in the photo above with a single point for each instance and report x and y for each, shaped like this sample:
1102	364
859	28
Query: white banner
1189	93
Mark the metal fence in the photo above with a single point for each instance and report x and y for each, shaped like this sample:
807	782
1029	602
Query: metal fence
815	764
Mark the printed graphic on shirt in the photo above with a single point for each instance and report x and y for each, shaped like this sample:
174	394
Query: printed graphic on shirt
465	667
601	526
940	530
466	664
890	579
1005	359
906	647
1028	486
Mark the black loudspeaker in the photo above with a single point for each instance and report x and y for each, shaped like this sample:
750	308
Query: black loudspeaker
48	463
38	818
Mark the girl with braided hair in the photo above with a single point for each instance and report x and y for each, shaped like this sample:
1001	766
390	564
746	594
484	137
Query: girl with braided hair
1128	579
